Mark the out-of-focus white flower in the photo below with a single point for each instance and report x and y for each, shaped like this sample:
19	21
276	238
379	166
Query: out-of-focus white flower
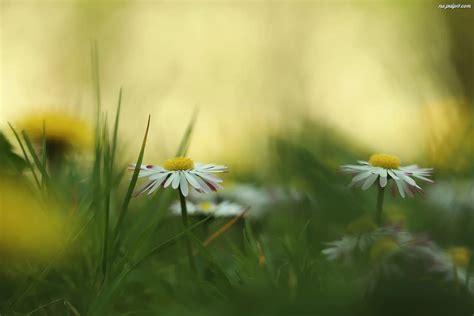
367	242
361	234
208	208
228	209
261	199
384	245
383	168
182	173
452	264
342	249
452	196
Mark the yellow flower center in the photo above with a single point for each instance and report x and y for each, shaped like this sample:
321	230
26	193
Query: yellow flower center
206	206
383	247
396	217
385	161
361	226
178	163
460	256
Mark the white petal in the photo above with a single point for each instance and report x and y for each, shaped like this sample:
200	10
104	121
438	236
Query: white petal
210	185
144	188
400	187
406	178
410	167
158	175
175	183
383	181
183	184
153	188
392	174
216	185
207	176
203	187
192	180
145	170
209	168
423	178
361	176
158	182
355	168
370	180
169	180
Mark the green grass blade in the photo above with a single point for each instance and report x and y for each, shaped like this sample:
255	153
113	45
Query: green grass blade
96	77
116	125
131	187
43	151
106	294
25	155
185	141
39	165
210	260
16	299
107	188
98	133
150	223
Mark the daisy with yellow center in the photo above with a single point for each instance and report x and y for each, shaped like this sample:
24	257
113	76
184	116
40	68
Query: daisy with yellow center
382	169
182	173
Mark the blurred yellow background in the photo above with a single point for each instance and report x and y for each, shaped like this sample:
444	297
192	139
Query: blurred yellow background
372	70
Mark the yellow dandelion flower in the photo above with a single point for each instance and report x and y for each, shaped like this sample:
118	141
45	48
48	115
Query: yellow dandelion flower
62	131
27	228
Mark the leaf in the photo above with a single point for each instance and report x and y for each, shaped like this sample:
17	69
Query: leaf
131	187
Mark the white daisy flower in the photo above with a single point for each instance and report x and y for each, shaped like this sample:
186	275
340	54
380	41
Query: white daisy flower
375	244
262	199
182	173
191	209
383	168
228	209
208	208
342	249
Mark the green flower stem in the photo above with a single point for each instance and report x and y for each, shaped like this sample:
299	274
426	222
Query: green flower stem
468	273
378	216
456	278
184	215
